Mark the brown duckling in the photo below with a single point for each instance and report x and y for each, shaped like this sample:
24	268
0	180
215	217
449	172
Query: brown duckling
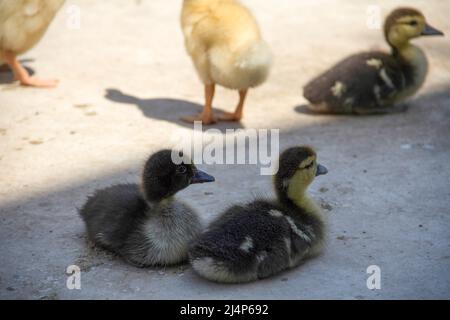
265	237
375	82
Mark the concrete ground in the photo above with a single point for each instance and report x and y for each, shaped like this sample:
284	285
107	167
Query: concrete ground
125	81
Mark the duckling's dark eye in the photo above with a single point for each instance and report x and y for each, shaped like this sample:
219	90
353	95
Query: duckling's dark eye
309	166
181	169
413	23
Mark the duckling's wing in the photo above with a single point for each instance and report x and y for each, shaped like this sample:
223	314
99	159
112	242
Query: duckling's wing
111	214
238	225
366	80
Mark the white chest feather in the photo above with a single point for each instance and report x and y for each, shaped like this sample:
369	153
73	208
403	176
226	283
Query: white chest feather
169	231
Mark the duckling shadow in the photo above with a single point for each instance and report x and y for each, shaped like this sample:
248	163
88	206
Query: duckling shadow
304	109
434	96
170	110
6	75
437	96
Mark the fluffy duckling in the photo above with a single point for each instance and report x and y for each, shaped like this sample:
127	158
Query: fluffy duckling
22	25
224	41
373	82
263	238
145	224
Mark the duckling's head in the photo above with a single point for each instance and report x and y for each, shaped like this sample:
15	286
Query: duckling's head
298	168
404	24
162	178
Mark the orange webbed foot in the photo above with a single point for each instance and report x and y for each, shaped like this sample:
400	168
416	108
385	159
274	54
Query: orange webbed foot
38	82
230	116
204	118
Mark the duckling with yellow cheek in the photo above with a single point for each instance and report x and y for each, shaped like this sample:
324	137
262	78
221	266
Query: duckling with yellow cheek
22	25
224	41
374	82
263	238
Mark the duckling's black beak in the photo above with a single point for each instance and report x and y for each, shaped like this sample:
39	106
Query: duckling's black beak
431	31
202	177
321	170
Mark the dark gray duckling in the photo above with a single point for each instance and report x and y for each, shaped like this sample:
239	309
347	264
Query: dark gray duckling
376	82
263	238
145	224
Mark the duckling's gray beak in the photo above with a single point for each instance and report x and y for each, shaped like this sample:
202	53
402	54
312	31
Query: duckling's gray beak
321	170
431	31
202	177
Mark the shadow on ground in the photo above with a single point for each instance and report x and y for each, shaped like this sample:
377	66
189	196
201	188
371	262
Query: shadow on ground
49	232
437	96
170	110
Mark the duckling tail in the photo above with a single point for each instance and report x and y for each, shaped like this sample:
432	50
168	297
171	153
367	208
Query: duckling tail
243	69
255	63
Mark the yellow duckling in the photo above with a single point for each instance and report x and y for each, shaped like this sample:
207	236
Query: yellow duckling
373	82
22	25
224	41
